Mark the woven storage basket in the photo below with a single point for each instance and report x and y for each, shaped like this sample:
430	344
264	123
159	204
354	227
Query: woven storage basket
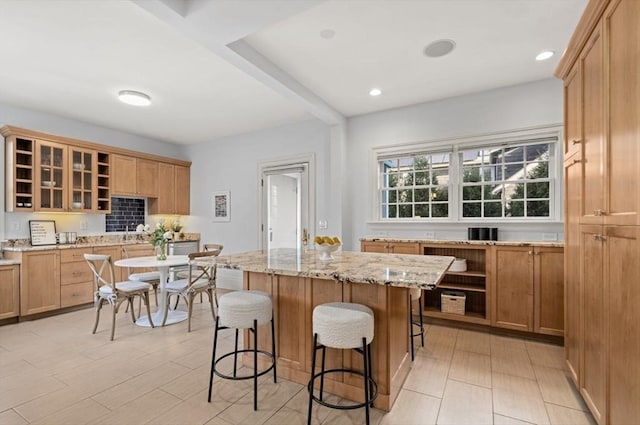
453	302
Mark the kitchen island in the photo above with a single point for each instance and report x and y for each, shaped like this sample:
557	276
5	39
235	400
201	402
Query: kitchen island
299	281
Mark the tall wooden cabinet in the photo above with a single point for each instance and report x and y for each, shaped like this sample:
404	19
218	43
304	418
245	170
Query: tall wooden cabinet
173	190
602	198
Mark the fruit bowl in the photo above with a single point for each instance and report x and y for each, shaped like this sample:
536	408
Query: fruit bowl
327	245
326	250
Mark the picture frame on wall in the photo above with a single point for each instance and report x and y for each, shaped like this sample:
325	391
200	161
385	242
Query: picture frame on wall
42	232
221	206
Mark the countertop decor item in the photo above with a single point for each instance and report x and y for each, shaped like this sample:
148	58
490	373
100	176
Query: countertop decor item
43	232
159	237
327	245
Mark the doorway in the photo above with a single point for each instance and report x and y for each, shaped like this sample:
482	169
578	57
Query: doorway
285	205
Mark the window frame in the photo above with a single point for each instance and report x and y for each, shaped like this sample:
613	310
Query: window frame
551	134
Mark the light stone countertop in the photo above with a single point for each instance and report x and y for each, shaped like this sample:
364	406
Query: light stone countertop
4	262
551	244
403	270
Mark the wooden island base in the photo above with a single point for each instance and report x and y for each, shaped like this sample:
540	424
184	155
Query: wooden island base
294	299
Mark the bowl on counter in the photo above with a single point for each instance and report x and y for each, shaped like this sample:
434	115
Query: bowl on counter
326	250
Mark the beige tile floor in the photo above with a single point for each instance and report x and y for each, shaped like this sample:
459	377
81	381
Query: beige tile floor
54	371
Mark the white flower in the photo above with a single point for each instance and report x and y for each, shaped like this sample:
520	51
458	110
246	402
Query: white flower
140	228
158	225
167	235
147	228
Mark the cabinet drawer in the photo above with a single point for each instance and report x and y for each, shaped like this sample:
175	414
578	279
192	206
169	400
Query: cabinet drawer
75	273
75	294
74	254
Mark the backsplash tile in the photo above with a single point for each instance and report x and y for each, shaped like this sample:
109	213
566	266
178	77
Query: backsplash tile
125	211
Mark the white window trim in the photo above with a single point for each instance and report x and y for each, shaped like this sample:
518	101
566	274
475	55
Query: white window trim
454	145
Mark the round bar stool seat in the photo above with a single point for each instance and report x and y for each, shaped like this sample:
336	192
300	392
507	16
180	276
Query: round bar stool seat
415	294
244	310
343	326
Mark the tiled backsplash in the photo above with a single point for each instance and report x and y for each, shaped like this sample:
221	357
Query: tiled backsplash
125	212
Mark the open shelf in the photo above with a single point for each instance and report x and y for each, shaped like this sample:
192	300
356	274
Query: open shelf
467	273
469	317
462	287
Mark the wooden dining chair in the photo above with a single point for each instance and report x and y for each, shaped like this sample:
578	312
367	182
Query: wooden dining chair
150	277
114	293
201	279
208	247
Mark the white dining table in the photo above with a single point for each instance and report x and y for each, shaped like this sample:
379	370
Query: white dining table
173	316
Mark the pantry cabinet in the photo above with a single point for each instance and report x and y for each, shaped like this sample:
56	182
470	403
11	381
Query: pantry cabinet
9	291
602	198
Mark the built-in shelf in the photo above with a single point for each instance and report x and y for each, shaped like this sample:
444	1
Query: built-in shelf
467	273
469	317
462	287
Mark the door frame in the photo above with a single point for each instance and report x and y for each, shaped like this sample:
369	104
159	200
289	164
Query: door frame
309	159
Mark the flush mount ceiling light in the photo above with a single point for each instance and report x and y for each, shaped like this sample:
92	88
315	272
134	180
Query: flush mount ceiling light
375	92
545	55
327	33
135	98
439	48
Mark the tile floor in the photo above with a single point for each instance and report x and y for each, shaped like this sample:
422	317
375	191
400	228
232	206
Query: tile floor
54	371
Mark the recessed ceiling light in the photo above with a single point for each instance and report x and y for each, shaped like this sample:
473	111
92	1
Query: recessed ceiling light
328	33
135	98
545	55
375	92
439	48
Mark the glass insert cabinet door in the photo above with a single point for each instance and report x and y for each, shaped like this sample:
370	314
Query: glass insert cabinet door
51	178
83	179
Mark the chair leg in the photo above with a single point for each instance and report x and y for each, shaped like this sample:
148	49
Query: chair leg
210	294
98	308
146	303
166	310
421	321
370	373
273	350
213	358
177	301
235	355
114	310
189	310
313	372
133	314
255	365
411	329
324	356
365	359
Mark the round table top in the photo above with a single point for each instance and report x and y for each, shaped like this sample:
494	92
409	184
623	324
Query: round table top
172	260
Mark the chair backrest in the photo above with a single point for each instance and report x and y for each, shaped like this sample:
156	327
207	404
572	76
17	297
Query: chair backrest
99	263
213	247
201	267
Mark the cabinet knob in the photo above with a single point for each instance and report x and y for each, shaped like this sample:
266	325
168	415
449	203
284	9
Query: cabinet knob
530	252
577	161
575	142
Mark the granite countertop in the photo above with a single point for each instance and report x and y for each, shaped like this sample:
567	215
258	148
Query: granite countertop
403	270
552	244
4	262
22	245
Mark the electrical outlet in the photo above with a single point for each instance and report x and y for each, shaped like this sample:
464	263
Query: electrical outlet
549	236
322	224
382	234
430	235
84	225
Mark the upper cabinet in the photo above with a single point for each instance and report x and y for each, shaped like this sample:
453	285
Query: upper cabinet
173	190
45	173
134	176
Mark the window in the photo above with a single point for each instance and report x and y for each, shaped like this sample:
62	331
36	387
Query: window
507	176
509	181
415	186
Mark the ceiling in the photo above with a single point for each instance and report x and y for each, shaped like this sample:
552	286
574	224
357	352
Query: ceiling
225	67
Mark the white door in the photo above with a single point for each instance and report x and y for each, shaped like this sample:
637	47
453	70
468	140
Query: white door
285	206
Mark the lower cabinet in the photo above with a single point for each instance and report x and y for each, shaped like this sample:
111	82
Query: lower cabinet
40	282
512	287
528	289
9	291
76	279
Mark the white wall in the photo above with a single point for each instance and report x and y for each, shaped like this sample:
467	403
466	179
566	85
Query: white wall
510	108
84	224
232	164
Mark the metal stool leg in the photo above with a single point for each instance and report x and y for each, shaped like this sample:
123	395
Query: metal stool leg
314	348
213	359
365	360
235	356
421	321
411	329
255	365
273	350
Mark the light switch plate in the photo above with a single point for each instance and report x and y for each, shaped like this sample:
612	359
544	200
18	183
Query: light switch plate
322	224
549	236
430	235
84	225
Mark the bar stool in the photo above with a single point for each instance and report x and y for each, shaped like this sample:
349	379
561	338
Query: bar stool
343	326
244	310
415	294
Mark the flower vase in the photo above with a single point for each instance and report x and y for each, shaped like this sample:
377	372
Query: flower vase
161	251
